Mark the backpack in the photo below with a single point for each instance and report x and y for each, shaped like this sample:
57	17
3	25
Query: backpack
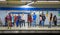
43	17
55	18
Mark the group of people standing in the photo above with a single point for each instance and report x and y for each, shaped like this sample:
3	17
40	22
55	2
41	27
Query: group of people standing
52	19
31	19
11	20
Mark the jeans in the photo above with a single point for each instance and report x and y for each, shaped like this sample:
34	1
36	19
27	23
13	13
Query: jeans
17	23
34	23
43	23
29	24
23	23
55	23
40	23
12	23
50	24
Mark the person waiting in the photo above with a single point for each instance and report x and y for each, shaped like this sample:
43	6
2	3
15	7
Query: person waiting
40	18
29	20
55	20
34	20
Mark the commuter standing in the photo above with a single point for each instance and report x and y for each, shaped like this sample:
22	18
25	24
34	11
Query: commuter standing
29	20
9	21
19	20
50	20
40	18
6	24
12	20
55	20
0	22
15	19
34	20
23	20
43	19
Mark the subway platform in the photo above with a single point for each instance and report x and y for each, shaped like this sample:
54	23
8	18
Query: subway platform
37	29
31	28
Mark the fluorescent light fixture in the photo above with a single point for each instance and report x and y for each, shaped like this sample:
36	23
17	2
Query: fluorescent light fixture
25	6
30	3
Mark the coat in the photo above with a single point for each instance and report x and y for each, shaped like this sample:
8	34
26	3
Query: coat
29	19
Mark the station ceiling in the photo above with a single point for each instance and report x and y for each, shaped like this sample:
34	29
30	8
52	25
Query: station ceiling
35	4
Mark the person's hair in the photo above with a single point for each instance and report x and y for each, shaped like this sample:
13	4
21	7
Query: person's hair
54	16
51	16
29	15
40	15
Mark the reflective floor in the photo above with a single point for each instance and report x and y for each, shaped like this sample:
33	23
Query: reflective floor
26	29
46	27
30	29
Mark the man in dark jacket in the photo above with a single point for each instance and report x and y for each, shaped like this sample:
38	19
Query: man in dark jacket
55	20
43	19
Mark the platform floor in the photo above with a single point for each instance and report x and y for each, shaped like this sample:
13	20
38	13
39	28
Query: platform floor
30	28
37	29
